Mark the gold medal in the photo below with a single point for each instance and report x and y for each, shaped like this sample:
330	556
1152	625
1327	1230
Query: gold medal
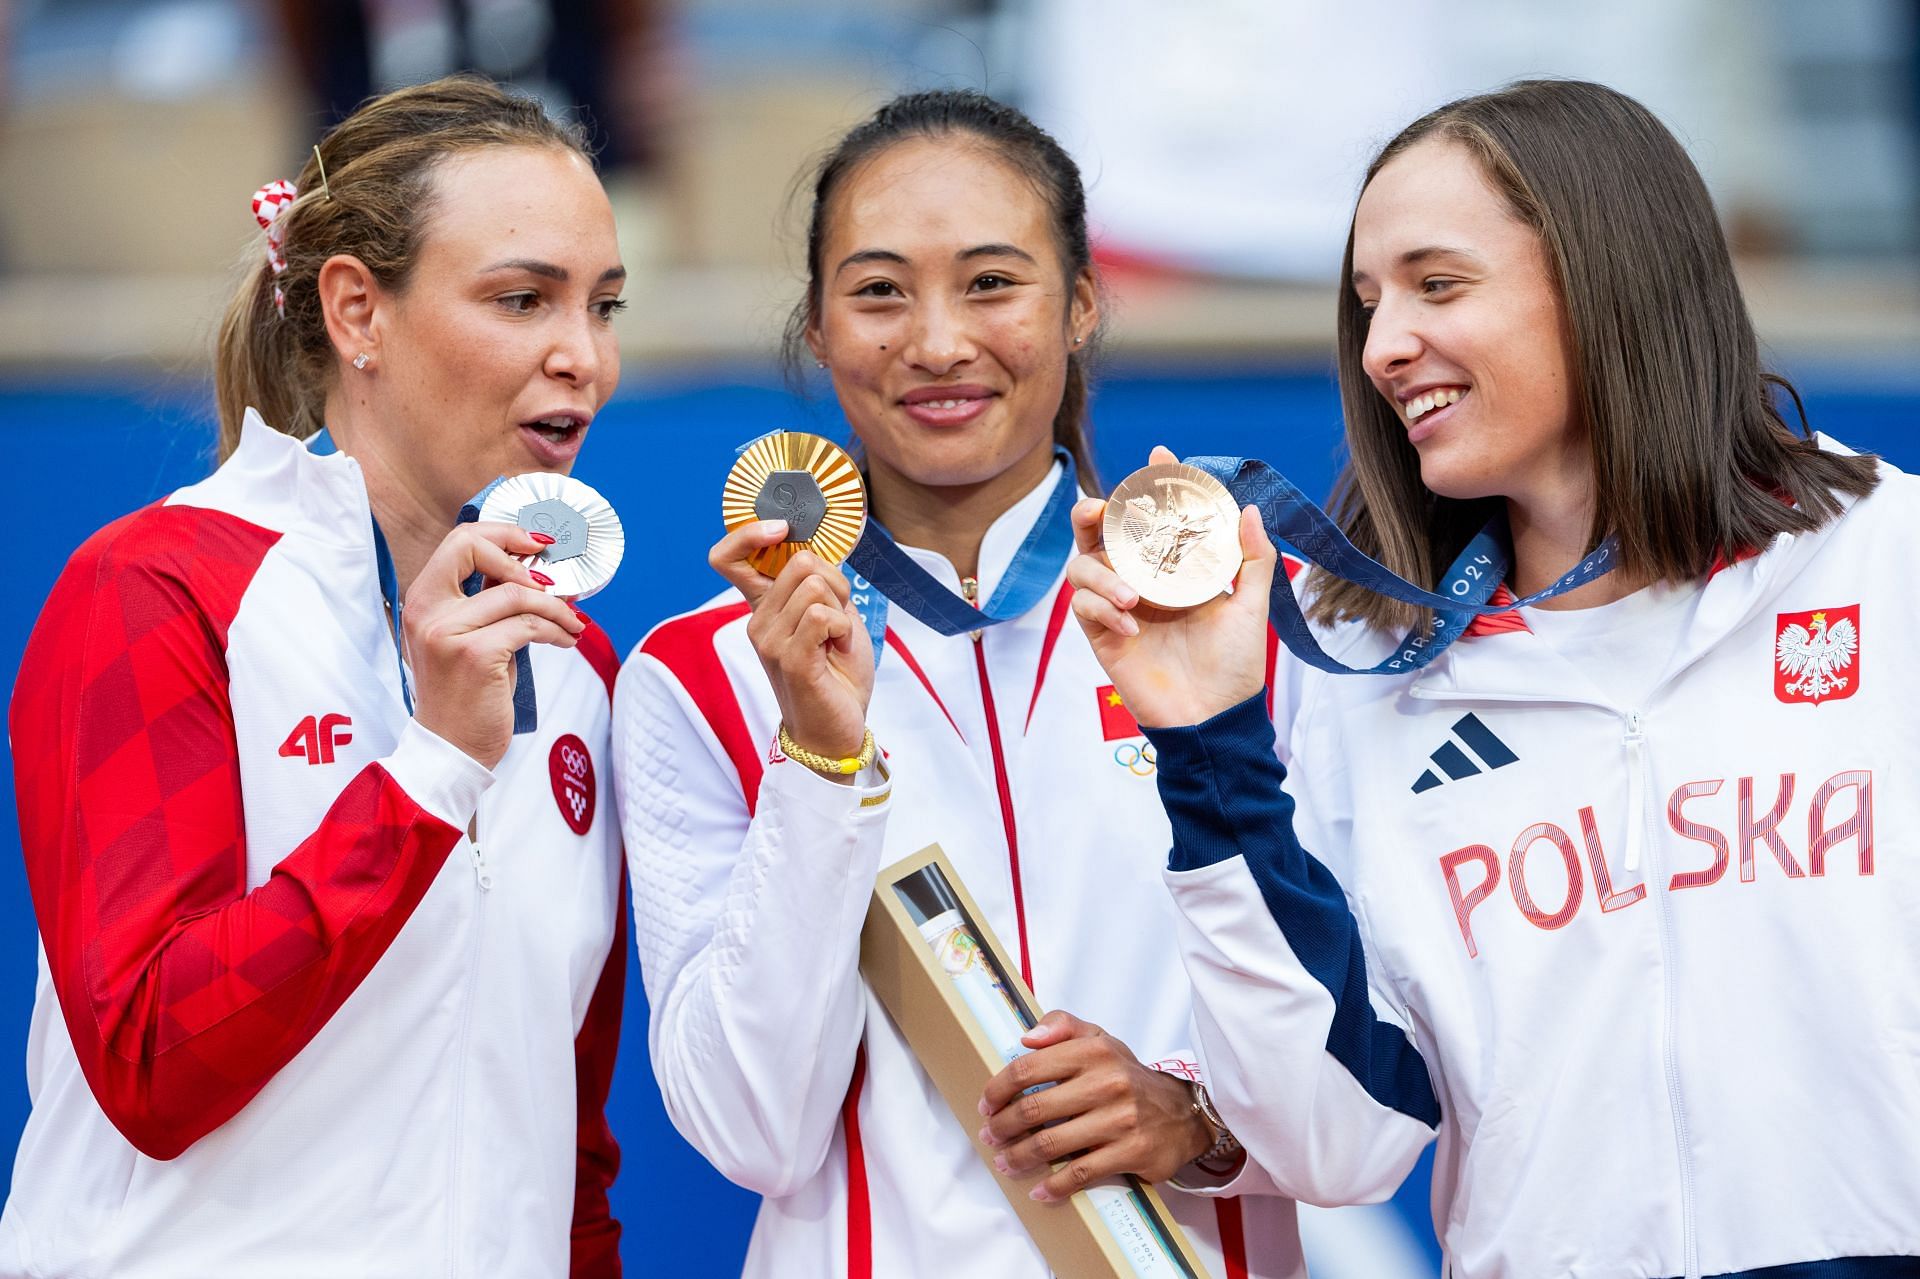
1173	534
811	483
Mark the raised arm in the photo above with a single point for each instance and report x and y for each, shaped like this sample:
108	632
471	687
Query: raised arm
751	872
1329	1096
1331	1101
183	991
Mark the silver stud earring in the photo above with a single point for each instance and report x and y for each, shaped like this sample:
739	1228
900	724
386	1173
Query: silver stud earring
819	364
360	360
1078	341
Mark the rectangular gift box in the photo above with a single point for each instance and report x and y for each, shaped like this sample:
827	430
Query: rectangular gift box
943	976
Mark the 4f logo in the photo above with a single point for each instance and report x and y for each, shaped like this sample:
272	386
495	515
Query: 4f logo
314	739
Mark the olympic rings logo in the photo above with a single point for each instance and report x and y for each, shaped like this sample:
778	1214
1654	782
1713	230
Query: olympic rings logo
1138	760
575	761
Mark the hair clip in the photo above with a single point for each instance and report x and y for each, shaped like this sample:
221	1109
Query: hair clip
270	205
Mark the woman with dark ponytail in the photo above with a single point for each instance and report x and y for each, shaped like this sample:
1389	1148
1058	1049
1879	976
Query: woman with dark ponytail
953	302
317	996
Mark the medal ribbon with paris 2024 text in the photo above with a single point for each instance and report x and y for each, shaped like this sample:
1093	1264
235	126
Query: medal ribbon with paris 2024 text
1476	573
880	571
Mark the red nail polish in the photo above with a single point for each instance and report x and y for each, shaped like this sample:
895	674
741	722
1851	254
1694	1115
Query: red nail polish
541	578
541	538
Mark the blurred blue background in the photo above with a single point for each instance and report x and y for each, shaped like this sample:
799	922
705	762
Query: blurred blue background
662	447
1222	143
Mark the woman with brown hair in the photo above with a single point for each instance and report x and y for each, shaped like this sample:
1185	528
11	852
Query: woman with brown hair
951	300
1518	926
331	955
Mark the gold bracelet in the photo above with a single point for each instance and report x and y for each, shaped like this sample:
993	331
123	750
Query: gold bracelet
827	763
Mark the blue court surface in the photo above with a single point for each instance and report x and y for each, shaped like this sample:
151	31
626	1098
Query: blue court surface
659	452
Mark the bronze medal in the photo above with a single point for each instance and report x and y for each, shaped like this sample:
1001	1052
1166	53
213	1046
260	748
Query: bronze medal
1173	534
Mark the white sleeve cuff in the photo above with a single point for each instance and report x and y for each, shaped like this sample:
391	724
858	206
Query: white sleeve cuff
864	799
437	775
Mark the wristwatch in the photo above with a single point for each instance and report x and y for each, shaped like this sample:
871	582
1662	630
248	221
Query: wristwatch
1223	1156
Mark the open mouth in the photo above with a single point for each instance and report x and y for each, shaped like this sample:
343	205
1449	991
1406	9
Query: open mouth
554	441
559	429
1431	401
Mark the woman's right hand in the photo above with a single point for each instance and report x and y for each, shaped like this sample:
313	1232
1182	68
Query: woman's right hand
809	636
1174	666
461	646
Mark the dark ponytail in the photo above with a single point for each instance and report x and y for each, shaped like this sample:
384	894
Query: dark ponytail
1022	144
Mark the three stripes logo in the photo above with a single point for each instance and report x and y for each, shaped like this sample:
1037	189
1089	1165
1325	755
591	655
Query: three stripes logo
1476	751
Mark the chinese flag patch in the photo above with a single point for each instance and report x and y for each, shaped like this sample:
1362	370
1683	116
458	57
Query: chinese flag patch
1116	721
1816	655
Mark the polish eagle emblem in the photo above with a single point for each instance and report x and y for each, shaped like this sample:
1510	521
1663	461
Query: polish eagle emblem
1814	653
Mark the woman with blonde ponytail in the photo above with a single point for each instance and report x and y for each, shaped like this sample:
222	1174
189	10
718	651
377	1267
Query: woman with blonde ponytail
331	958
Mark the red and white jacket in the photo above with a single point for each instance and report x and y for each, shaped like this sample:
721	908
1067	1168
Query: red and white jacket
319	995
752	876
1649	972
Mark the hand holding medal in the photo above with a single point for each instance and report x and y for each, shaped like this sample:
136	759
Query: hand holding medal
1152	603
1171	533
580	542
807	481
795	507
586	541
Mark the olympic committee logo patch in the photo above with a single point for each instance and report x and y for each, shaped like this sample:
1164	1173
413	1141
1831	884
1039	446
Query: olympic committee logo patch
570	768
1816	655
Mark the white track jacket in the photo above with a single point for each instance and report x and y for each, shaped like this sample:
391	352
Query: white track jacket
752	876
293	1022
1651	973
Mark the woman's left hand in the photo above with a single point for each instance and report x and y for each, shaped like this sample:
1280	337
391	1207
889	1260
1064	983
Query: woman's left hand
1105	1113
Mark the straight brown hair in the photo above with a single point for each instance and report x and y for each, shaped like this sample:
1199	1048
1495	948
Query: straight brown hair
1692	460
375	199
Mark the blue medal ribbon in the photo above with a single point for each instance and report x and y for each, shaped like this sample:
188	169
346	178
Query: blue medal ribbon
1291	517
321	444
881	572
525	715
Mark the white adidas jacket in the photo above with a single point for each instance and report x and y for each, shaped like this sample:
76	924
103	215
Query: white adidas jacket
752	876
1652	973
291	1020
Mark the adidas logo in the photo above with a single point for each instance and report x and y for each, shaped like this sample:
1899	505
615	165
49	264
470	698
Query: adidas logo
1457	763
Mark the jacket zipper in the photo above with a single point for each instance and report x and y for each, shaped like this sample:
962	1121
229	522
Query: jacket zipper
970	589
1636	743
1640	820
483	879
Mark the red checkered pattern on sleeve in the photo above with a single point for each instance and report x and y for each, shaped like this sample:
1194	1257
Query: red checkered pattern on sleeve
183	992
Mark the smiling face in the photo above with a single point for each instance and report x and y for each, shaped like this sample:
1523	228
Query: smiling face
1467	338
500	350
946	316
